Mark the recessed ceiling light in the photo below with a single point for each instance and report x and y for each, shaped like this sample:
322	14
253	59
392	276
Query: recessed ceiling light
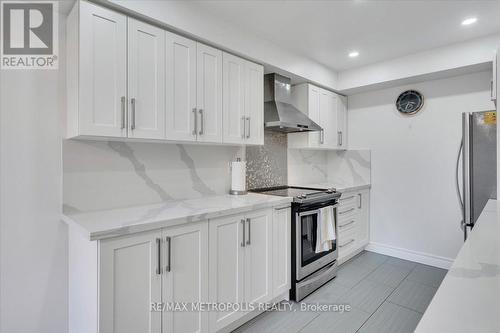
353	54
469	21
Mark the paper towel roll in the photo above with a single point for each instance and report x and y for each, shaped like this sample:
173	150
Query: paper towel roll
238	177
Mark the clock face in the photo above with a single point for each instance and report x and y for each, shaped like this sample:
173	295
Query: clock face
409	102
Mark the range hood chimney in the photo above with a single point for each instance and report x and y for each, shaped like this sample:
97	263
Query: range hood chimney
279	114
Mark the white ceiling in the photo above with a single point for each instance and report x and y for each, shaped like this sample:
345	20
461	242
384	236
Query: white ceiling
326	31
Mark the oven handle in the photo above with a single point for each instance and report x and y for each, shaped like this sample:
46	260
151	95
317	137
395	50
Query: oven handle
312	211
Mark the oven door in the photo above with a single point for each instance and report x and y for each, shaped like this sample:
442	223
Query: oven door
307	260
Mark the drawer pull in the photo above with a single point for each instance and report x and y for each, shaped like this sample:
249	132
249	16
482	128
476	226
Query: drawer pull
347	198
346	211
349	242
346	224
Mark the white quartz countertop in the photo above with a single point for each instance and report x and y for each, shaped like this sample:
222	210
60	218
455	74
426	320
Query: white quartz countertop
124	221
468	299
339	186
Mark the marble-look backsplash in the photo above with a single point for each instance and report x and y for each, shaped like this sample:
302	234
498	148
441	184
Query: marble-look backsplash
349	166
111	174
343	167
267	165
307	166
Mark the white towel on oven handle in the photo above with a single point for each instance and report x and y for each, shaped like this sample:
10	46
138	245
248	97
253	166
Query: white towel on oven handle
325	231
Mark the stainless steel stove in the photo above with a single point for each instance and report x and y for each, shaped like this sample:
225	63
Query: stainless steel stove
310	270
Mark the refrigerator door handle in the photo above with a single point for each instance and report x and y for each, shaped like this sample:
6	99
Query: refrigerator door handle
466	141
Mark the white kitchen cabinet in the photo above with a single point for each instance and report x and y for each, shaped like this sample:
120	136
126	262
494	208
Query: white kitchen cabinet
258	257
97	72
353	225
254	103
185	276
129	281
181	112
243	101
209	93
227	267
129	79
342	121
281	251
146	80
194	91
325	108
240	258
133	272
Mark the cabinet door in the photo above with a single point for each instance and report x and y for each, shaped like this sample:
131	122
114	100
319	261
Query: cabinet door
314	98
146	80
281	251
258	256
342	121
103	72
185	274
328	119
209	93
233	103
254	103
181	88
226	271
363	231
128	283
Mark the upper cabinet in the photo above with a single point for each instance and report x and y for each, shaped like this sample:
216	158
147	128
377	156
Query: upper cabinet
146	80
243	101
129	79
97	74
328	110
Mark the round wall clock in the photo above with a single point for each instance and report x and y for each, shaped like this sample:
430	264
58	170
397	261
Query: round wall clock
409	102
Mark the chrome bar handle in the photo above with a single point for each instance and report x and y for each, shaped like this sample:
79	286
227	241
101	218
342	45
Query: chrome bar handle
346	224
158	248
346	211
195	129
132	125
249	230
169	241
349	242
339	137
243	132
243	241
360	201
248	133
123	111
202	122
322	136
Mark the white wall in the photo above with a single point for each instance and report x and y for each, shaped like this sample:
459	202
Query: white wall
414	204
33	240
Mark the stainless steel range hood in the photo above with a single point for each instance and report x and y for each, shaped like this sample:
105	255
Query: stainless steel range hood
279	114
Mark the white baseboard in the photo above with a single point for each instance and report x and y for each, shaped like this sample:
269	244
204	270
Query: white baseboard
420	257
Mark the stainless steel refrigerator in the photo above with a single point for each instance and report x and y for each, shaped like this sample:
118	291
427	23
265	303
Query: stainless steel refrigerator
479	165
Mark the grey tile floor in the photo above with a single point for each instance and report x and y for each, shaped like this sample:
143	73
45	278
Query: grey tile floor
386	295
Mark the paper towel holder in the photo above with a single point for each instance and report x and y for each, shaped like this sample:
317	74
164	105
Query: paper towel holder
235	192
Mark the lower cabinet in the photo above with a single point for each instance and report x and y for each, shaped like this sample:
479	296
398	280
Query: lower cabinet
133	283
353	223
240	257
168	265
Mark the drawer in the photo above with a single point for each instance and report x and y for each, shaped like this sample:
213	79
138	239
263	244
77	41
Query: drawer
346	212
347	224
348	199
347	242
